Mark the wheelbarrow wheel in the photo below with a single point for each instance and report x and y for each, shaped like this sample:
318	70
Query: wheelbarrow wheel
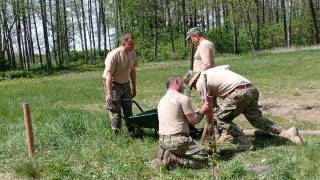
136	132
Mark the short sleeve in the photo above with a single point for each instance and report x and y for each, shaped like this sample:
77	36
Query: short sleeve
186	106
110	64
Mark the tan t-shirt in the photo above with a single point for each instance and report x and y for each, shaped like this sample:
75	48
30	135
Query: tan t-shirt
172	110
204	56
120	64
220	81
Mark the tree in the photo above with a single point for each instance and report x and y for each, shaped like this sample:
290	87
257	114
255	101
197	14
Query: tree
284	20
45	32
314	22
155	30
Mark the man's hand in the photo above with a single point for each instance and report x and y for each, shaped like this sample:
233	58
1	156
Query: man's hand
110	98
205	107
133	92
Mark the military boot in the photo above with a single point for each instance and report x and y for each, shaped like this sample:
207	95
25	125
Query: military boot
158	159
170	160
292	135
243	144
224	137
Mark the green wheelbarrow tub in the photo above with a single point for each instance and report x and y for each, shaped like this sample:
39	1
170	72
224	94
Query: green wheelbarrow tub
146	119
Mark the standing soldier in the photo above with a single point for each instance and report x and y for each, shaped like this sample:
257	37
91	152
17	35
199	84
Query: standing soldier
204	56
120	68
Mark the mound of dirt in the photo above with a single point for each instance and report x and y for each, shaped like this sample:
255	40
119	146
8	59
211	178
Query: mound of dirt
291	108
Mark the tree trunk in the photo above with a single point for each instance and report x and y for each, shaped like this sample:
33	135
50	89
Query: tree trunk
284	19
277	10
93	49
207	18
66	34
289	22
26	37
104	27
59	35
184	26
79	23
98	21
16	10
218	13
36	31
247	23
194	25
45	32
84	31
73	33
257	47
263	11
169	24
314	22
30	39
155	30
53	33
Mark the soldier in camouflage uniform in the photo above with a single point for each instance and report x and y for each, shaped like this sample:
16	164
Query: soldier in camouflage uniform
120	67
175	113
237	95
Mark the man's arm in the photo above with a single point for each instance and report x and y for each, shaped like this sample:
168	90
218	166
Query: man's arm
133	76
195	118
109	86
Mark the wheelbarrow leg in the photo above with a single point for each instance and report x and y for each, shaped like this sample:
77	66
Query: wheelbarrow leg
156	133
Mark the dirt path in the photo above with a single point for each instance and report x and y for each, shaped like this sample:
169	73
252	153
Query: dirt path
306	109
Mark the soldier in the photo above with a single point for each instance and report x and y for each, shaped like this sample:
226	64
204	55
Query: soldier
204	56
237	95
120	68
203	59
175	113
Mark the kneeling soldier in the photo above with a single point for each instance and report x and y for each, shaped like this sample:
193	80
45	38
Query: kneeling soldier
175	113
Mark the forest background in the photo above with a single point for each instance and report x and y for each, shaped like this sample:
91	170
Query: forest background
53	34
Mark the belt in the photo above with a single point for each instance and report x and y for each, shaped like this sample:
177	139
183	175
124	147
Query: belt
175	135
243	86
120	83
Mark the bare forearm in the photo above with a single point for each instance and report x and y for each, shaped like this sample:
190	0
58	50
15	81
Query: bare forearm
133	78
109	83
195	118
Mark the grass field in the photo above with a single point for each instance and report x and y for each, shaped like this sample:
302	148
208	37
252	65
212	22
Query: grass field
74	139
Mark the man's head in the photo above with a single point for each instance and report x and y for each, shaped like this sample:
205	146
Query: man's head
127	41
191	78
175	83
194	35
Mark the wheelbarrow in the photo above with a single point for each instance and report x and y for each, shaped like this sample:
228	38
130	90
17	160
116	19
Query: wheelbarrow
144	119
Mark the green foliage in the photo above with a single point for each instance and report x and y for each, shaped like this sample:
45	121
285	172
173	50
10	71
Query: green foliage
235	170
77	56
222	39
74	140
15	74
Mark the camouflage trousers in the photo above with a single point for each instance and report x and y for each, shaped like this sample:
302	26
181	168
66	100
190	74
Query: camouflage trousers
123	102
243	101
190	152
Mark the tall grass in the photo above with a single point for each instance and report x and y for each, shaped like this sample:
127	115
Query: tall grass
74	139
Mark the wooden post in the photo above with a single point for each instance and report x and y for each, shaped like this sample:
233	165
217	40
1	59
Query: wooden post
28	126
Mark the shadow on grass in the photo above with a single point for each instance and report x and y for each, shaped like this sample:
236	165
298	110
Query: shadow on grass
259	142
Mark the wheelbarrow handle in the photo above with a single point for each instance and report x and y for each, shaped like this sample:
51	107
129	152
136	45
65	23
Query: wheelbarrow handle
138	105
133	101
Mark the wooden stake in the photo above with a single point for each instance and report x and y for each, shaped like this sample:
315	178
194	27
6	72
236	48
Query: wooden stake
28	126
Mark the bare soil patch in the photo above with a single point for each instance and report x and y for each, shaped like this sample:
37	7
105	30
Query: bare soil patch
306	109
